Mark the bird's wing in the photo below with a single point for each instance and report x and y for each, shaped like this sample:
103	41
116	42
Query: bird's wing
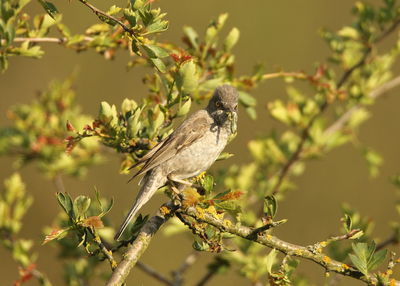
148	155
191	130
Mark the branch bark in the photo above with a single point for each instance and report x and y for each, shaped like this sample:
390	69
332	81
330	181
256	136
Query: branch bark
139	246
102	14
287	248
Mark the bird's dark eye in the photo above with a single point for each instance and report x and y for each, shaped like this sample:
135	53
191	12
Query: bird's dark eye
218	104
236	107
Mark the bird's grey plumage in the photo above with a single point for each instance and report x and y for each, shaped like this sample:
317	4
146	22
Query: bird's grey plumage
188	151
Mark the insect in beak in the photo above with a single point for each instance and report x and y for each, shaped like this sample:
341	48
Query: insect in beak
232	117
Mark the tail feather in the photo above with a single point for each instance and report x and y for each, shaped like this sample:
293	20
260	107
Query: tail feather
132	212
149	185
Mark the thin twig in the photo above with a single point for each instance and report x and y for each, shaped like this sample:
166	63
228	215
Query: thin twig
390	30
297	75
189	261
61	40
139	246
329	264
305	133
153	273
345	117
107	253
391	240
100	13
210	273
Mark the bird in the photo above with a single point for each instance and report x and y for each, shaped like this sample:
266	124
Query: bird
189	150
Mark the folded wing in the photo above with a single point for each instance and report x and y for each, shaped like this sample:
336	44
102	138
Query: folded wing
191	130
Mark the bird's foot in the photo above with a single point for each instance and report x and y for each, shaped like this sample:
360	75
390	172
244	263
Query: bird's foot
179	181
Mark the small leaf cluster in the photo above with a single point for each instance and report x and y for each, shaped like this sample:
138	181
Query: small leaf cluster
83	219
15	202
205	201
365	258
38	133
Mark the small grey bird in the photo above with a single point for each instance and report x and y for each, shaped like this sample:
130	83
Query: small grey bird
188	151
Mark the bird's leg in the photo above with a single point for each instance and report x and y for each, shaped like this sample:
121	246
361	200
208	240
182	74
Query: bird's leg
196	186
175	192
183	182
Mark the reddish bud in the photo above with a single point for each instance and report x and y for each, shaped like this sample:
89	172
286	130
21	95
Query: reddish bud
41	140
96	124
53	141
87	128
70	127
175	57
186	58
25	274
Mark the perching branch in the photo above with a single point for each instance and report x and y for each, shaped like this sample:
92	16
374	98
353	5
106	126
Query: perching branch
140	244
273	242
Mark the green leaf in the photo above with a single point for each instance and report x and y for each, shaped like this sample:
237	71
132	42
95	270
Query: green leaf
155	51
192	36
270	206
65	202
251	112
247	99
50	8
377	259
109	207
208	184
135	47
224	156
159	64
200	246
157	27
185	108
279	111
365	258
134	123
358	116
114	9
374	161
359	264
81	205
349	32
348	223
131	17
108	113
137	4
227	205
128	105
271	258
187	80
231	39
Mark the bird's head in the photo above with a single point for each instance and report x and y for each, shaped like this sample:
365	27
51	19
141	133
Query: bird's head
223	105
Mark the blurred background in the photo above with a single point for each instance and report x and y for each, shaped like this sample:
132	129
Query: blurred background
279	34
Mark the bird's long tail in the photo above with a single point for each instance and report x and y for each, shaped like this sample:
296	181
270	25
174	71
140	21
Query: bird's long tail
149	185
